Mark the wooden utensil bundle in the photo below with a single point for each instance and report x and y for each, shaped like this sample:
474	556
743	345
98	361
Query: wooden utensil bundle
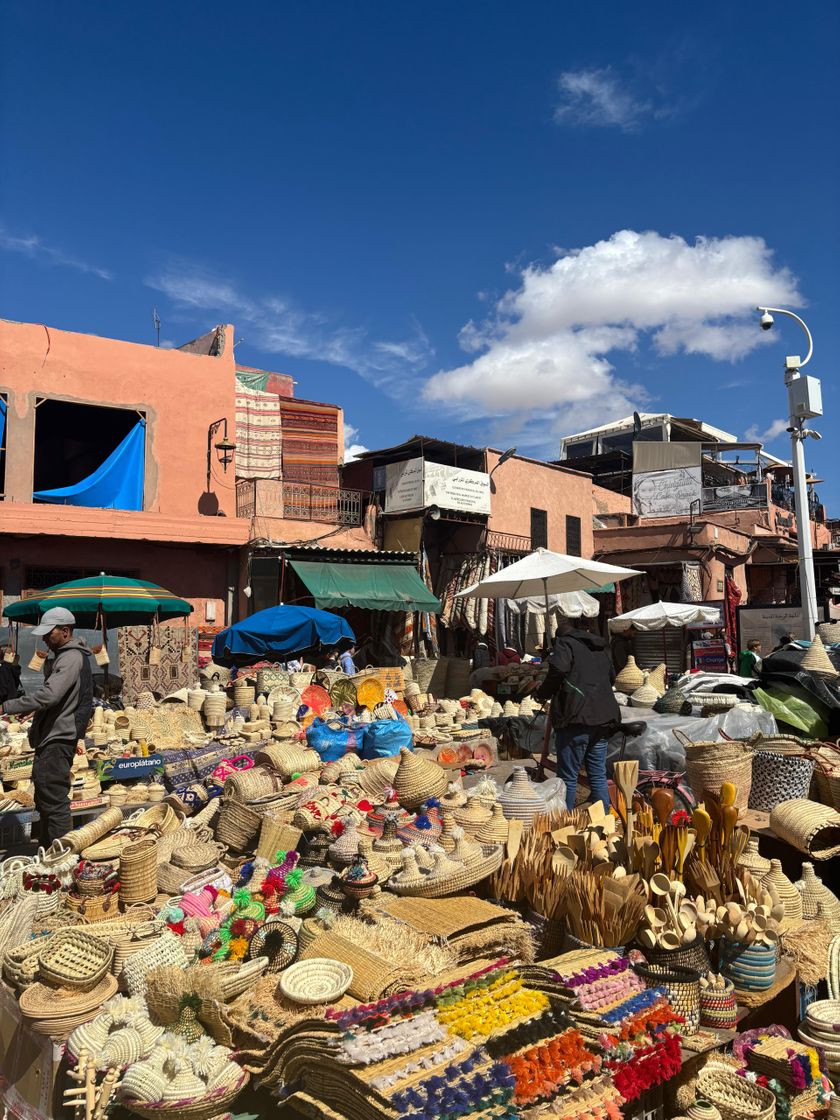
601	911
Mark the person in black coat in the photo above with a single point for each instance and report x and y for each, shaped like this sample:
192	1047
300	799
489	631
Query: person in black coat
584	710
9	681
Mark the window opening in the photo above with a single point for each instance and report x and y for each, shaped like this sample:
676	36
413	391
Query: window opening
539	528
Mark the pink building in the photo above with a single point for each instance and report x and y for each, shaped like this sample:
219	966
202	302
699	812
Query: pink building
155	463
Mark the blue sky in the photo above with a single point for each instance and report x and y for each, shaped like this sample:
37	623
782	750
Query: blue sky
491	222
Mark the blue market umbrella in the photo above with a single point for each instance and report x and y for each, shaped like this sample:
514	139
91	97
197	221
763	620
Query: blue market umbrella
280	632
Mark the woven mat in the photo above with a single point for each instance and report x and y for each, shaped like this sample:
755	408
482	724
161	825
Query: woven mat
373	977
445	917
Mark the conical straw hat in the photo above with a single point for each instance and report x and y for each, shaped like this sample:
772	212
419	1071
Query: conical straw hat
817	661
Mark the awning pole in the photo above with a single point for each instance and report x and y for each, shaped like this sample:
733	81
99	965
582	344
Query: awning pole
547	614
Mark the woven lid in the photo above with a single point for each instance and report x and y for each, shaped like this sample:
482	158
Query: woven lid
817	661
417	779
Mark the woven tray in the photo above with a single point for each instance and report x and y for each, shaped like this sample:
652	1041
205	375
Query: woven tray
74	958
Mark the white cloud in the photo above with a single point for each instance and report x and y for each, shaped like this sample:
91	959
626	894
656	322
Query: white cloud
34	248
352	450
599	99
773	431
545	353
277	325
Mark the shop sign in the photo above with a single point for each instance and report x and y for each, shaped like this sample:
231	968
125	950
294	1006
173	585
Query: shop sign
668	493
122	769
418	484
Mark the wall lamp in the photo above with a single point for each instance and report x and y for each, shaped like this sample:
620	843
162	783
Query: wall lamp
503	458
225	447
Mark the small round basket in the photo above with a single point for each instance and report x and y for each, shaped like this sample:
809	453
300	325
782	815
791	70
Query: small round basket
316	981
73	958
734	1097
277	941
213	1104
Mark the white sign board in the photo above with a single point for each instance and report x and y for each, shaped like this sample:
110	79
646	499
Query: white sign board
667	493
404	486
417	484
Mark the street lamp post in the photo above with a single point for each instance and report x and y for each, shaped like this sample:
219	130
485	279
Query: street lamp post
804	402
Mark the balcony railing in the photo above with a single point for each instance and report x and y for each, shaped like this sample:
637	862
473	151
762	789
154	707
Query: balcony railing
507	542
299	501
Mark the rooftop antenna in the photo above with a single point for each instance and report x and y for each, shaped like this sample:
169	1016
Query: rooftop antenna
156	323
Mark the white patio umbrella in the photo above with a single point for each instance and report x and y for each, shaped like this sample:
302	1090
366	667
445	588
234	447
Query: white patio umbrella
570	604
656	616
544	573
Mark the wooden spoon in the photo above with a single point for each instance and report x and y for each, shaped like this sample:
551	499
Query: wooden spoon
626	775
650	857
730	819
702	825
668	848
663	804
728	793
661	886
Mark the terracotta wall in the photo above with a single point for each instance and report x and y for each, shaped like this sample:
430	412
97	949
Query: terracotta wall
180	393
198	574
522	484
608	502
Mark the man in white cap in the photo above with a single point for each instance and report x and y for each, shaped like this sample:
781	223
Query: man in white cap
62	707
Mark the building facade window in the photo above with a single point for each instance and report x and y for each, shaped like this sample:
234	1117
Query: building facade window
539	528
573	542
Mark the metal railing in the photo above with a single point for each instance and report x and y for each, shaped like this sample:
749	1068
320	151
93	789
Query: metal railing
299	501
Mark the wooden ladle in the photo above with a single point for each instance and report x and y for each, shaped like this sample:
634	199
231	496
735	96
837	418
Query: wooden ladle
702	825
626	776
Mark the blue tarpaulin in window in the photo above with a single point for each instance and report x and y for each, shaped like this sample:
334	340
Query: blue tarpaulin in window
117	484
2	419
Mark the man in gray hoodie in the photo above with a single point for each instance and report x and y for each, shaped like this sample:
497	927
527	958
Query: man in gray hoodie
62	708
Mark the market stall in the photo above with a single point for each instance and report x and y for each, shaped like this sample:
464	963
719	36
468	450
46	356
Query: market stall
344	905
669	632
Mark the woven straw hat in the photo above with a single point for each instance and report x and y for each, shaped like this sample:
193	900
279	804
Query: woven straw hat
817	661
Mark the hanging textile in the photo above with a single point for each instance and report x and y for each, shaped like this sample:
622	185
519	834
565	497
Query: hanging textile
692	582
731	599
310	442
117	484
259	440
2	420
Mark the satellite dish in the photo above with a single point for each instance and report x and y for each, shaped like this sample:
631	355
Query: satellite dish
637	424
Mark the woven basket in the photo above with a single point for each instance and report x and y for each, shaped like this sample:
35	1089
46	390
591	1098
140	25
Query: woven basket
417	779
269	677
278	942
734	1097
673	702
21	964
751	968
288	759
788	895
815	894
753	860
213	1104
683	986
827	774
75	959
630	678
779	777
520	800
88	834
709	764
238	824
195	855
461	879
809	826
166	949
719	1008
256	782
138	872
317	980
693	956
95	909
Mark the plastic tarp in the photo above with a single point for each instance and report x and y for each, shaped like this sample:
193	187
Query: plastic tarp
378	587
280	630
2	420
117	484
657	616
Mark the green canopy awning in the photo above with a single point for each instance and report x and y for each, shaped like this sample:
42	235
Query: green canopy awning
379	587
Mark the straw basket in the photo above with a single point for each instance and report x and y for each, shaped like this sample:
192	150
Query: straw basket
21	964
751	968
244	695
753	860
462	877
630	678
709	764
288	759
693	956
683	985
417	779
95	909
815	894
238	824
88	834
138	872
519	800
73	958
269	677
278	942
318	980
719	1007
733	1096
256	782
808	826
788	895
212	1104
779	777
214	708
827	775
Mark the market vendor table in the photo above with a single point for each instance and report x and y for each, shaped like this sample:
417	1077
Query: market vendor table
16	826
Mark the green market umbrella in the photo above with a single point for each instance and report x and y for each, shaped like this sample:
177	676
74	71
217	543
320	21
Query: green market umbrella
101	601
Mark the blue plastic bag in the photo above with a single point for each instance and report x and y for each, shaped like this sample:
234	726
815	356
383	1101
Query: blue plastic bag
386	737
332	743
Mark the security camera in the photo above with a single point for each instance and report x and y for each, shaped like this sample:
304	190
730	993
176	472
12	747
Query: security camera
766	321
810	432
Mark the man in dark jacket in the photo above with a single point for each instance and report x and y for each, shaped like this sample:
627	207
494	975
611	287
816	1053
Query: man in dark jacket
584	710
62	707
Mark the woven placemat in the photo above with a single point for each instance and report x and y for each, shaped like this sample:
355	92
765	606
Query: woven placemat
373	977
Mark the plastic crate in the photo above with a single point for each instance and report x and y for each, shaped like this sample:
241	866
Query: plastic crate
16	828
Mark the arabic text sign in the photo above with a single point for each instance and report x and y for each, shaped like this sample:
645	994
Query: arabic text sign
417	483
